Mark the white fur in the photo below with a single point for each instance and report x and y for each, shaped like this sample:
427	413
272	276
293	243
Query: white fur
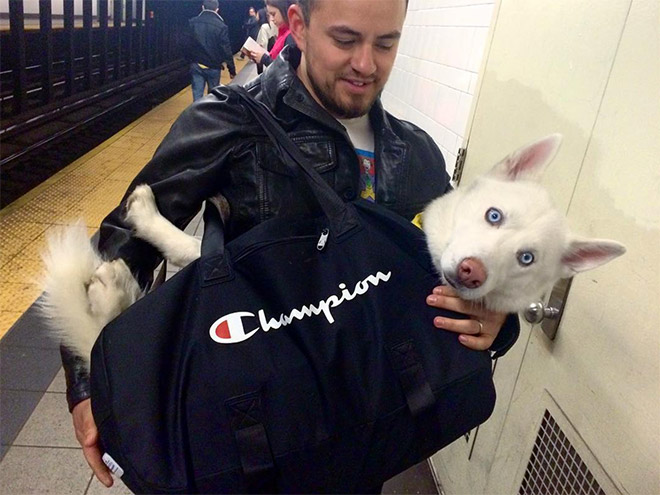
142	213
83	292
457	229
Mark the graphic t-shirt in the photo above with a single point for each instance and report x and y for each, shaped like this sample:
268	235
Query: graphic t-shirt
362	137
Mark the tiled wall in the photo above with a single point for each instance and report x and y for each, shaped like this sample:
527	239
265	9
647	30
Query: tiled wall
435	73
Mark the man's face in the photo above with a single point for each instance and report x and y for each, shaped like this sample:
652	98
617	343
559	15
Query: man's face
252	12
348	50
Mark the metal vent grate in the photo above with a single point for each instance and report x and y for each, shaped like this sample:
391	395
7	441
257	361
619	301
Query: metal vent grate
555	467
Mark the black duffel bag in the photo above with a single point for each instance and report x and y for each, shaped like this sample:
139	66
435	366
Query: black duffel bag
299	358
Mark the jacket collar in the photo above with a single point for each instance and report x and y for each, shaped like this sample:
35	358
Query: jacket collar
213	12
280	85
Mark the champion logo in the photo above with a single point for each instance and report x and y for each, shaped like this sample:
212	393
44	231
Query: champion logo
230	329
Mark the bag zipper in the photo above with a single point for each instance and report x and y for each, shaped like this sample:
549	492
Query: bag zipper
323	239
256	247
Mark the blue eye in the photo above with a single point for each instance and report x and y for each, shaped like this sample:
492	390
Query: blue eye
525	258
494	216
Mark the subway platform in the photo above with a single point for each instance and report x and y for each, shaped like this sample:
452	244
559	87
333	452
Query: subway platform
38	449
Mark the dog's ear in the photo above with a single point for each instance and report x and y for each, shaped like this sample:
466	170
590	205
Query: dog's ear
528	162
585	254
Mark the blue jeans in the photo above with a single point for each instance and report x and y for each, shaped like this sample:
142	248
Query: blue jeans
201	77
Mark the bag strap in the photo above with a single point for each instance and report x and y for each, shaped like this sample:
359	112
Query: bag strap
412	377
213	238
341	216
246	420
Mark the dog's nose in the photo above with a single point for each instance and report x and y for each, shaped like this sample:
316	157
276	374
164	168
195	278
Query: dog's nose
471	273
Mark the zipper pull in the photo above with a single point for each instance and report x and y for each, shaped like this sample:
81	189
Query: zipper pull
323	239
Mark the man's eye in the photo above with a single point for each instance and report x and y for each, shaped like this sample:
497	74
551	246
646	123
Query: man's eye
343	42
385	46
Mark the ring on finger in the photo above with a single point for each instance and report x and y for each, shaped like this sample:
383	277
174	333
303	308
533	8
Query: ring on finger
481	327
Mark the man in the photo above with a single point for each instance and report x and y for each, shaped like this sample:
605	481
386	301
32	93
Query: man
251	26
207	46
326	94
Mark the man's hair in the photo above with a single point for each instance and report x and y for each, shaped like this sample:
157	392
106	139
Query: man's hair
282	6
307	6
210	4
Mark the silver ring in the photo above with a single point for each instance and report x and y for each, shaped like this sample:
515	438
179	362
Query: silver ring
481	327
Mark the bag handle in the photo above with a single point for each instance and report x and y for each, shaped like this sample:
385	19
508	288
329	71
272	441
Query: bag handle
341	215
213	238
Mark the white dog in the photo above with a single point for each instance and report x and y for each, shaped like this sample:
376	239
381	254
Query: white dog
499	242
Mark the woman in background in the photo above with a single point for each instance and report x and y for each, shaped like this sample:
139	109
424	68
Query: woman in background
277	12
267	30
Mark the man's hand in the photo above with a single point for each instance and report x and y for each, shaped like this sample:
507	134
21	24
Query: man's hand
88	437
479	331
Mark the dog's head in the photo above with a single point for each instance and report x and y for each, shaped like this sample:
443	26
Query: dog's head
507	244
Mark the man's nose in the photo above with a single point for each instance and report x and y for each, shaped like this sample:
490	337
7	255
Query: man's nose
363	60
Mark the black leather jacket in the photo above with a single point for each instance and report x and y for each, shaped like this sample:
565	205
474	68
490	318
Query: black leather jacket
216	147
207	41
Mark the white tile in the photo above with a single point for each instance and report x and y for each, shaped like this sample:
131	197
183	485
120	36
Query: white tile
461	47
98	488
451	143
50	424
36	470
447	105
462	113
477	49
478	15
472	87
450	161
58	384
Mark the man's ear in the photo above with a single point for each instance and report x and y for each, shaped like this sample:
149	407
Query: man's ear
297	26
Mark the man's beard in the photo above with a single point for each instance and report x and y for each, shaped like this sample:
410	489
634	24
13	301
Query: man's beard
334	106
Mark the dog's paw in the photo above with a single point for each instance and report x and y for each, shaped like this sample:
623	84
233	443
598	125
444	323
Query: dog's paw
109	291
141	207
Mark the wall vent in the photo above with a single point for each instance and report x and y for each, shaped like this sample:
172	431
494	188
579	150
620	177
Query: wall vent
554	467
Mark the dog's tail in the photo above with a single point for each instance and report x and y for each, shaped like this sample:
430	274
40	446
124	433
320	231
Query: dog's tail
70	261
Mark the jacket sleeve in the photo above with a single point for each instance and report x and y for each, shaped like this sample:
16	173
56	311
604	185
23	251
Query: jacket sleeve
187	168
226	49
77	377
266	60
507	337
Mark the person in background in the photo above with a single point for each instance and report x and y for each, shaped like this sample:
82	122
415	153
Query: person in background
267	30
206	47
325	89
277	11
251	26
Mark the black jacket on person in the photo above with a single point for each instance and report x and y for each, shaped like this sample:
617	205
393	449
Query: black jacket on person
266	60
207	41
215	146
251	27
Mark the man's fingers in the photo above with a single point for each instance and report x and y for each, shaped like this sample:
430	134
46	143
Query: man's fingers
459	326
478	343
445	290
452	303
479	331
93	456
88	437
